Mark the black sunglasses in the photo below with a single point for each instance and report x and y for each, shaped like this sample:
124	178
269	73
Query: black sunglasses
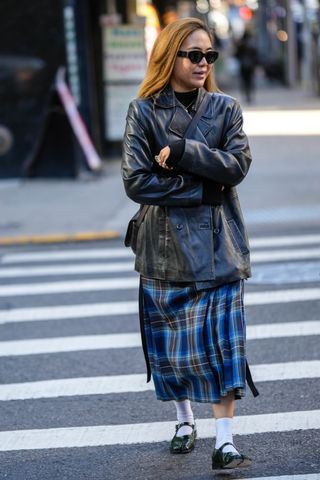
195	56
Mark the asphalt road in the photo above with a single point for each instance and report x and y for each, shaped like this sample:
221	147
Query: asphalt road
73	399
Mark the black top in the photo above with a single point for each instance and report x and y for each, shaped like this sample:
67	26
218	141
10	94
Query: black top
187	98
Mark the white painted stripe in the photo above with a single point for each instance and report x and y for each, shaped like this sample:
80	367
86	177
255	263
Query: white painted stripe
283	215
284	241
286	371
126	308
124	283
130	340
67	269
112	253
286	329
69	344
285	122
256	257
282	296
137	383
53	256
90	436
75	386
276	255
69	287
68	311
303	476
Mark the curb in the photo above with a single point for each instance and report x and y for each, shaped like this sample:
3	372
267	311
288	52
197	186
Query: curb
60	238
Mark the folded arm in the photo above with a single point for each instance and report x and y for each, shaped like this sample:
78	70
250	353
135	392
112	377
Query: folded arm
141	183
226	165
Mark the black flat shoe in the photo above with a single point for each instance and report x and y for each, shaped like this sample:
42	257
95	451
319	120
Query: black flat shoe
229	460
184	444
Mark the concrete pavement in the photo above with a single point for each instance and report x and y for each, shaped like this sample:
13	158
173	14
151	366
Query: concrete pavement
92	208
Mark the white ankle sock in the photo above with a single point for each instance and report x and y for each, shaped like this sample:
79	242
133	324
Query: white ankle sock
184	414
224	434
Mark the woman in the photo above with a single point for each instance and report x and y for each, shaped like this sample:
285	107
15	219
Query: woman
192	251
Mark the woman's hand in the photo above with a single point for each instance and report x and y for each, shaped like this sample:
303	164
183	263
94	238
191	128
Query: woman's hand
162	157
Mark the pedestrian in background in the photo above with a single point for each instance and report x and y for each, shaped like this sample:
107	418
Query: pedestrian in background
247	54
192	250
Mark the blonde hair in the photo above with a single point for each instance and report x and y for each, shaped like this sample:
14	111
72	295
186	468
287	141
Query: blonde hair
164	54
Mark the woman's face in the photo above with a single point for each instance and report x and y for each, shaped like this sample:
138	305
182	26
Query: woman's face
187	76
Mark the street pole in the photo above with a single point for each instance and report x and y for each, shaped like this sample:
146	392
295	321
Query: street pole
78	57
291	60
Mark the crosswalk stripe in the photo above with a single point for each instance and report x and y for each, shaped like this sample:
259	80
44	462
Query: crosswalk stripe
69	286
132	340
115	267
69	344
52	256
123	283
282	296
283	255
68	311
122	252
118	384
274	122
303	476
285	241
67	269
93	436
32	314
285	329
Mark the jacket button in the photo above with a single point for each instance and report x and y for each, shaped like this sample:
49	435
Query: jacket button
216	230
179	226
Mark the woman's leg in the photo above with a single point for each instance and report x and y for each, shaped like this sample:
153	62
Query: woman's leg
184	414
223	413
225	408
184	438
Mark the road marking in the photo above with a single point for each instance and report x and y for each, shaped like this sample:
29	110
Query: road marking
69	344
68	311
112	253
282	255
69	286
285	329
67	269
129	308
283	215
131	340
277	122
284	241
83	254
117	384
282	296
286	371
93	436
125	283
114	267
303	476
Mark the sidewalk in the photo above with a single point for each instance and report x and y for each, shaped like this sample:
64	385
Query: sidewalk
92	208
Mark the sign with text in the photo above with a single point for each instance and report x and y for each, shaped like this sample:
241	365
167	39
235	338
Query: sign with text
124	53
124	67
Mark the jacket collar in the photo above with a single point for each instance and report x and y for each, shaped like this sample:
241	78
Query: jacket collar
167	99
181	118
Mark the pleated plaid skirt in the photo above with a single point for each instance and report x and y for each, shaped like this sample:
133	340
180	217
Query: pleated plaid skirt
195	340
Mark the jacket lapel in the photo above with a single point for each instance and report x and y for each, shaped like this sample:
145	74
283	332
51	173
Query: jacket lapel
181	118
180	121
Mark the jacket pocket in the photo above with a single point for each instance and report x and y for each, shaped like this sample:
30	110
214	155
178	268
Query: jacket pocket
237	237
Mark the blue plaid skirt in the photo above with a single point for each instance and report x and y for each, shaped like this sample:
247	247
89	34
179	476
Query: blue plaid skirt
195	340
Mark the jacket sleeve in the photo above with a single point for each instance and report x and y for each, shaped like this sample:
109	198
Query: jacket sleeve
141	183
227	165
